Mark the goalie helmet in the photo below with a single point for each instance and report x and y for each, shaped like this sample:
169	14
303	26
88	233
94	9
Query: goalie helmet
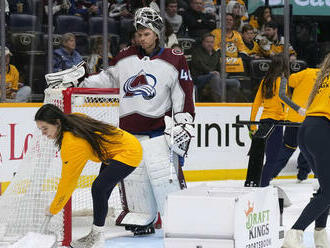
149	18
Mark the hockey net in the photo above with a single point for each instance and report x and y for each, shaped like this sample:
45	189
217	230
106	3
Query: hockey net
23	204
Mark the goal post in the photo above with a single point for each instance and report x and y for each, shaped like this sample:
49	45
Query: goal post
23	204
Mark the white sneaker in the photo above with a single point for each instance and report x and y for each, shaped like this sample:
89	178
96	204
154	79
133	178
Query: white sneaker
321	239
94	239
293	239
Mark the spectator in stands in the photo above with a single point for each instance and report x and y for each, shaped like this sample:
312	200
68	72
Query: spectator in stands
234	45
271	43
14	90
251	49
172	16
19	6
209	7
239	13
170	36
66	56
85	8
260	17
95	60
60	7
205	68
197	22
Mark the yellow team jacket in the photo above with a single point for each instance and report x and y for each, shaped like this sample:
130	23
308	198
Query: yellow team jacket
12	77
234	44
256	50
270	48
75	152
302	83
321	103
273	107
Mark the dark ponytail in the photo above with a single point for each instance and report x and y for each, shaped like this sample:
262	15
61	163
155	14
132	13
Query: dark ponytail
93	131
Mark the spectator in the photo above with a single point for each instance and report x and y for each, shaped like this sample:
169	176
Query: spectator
234	45
60	7
209	7
170	36
251	49
12	81
95	60
271	43
172	16
19	6
239	13
66	56
205	68
260	17
84	8
197	22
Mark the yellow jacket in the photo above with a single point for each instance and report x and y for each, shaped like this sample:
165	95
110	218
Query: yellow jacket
75	152
302	83
321	103
234	44
273	107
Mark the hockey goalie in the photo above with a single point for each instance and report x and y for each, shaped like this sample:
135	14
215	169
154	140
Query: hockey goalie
156	105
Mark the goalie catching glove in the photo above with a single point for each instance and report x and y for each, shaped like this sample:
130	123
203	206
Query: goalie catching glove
67	78
182	132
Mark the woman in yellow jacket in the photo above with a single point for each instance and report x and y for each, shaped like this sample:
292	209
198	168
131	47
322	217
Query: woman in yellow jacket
268	138
81	138
314	143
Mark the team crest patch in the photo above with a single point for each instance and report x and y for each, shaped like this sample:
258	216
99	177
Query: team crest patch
177	51
141	84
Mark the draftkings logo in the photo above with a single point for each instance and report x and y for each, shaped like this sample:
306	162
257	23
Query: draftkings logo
257	225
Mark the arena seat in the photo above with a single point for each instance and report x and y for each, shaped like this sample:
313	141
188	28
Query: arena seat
25	42
95	26
297	65
70	24
23	22
57	40
187	44
258	69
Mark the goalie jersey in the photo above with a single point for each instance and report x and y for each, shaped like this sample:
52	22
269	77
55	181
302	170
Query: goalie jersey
149	87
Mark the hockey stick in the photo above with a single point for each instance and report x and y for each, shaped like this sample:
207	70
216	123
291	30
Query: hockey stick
171	150
280	123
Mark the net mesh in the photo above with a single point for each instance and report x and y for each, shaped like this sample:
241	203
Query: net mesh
23	204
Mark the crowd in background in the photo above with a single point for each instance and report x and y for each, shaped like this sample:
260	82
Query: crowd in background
193	22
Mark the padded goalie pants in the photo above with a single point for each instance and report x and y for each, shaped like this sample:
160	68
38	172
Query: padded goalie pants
103	185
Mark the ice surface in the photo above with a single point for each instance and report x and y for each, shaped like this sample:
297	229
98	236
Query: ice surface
299	194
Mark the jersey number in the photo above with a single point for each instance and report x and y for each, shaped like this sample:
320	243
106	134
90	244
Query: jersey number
185	75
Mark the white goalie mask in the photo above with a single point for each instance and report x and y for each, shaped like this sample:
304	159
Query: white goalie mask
149	18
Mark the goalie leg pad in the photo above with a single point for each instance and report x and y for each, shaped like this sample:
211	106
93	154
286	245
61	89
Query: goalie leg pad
141	204
162	174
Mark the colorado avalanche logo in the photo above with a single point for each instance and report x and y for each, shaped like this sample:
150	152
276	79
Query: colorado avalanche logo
140	84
